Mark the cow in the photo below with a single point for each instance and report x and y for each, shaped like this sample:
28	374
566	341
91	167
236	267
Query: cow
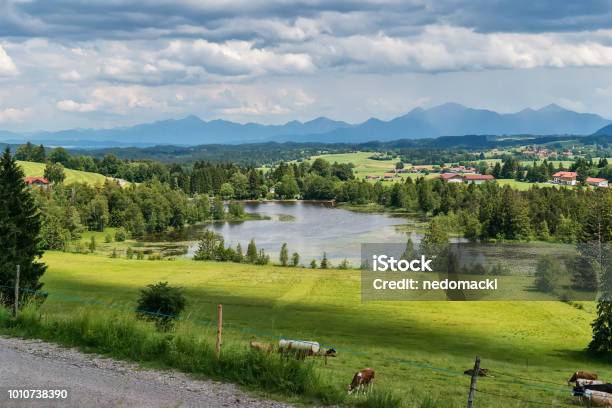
362	379
596	398
581	382
585	375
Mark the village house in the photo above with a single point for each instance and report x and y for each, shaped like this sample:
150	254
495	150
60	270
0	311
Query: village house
452	177
462	169
419	169
567	178
37	182
597	182
477	178
468	178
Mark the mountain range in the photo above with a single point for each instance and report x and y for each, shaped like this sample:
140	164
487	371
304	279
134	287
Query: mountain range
450	119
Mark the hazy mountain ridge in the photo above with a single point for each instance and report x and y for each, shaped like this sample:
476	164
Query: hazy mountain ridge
450	119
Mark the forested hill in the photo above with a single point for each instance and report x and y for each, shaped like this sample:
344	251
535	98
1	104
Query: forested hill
267	153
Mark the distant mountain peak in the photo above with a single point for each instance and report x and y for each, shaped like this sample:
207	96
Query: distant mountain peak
552	107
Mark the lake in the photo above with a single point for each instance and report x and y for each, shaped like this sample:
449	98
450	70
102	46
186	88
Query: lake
309	228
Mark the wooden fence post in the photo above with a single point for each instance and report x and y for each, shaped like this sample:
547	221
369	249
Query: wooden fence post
219	329
17	290
470	402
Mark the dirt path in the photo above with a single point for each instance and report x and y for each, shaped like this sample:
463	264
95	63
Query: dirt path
96	381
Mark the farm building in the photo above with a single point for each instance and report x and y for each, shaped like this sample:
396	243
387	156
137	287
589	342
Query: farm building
37	182
462	169
478	178
452	177
468	178
420	169
567	178
597	182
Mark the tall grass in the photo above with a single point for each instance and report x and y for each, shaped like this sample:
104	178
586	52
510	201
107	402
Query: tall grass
187	348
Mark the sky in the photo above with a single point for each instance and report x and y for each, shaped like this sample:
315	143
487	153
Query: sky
94	64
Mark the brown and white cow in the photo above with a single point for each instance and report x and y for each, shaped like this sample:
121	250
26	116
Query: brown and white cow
585	375
362	379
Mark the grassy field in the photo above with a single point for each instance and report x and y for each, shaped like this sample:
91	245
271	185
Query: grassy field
72	176
417	348
363	165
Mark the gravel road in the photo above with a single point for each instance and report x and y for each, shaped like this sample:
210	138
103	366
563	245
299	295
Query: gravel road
96	381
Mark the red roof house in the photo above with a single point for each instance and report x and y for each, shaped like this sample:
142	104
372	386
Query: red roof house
37	182
597	182
565	177
452	177
478	178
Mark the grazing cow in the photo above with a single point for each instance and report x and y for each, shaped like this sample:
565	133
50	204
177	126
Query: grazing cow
595	398
264	347
585	375
362	379
581	382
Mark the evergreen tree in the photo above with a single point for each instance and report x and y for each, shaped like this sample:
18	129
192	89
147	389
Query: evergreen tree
92	244
295	259
251	255
596	239
409	252
238	256
284	255
602	329
324	261
19	232
313	264
547	274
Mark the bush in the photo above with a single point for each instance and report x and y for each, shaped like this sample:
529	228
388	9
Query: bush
120	235
108	238
129	253
161	303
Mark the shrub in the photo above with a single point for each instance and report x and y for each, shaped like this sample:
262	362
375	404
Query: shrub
108	238
120	235
161	303
129	253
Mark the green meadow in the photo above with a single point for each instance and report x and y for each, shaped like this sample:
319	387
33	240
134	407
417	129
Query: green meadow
418	349
72	176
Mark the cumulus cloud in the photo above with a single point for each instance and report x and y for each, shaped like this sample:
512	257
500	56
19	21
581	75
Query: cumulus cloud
123	57
72	75
112	99
13	115
237	58
7	66
447	48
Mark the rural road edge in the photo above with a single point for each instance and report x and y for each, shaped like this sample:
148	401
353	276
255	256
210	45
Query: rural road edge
97	381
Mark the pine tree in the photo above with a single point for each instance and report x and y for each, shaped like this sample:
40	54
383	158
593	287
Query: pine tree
295	259
284	255
409	252
595	240
324	261
19	232
602	329
251	254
